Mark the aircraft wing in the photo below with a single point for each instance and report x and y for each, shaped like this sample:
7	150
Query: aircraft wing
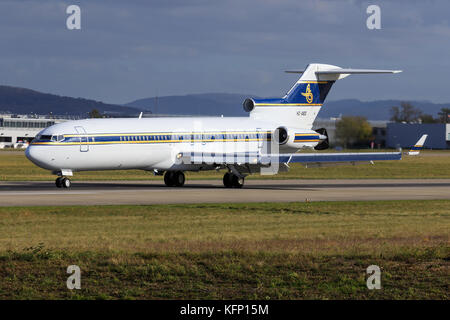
308	159
269	159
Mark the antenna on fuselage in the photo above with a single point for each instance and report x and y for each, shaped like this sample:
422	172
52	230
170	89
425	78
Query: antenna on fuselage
140	115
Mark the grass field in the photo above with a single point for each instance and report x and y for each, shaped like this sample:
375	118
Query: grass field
250	251
432	164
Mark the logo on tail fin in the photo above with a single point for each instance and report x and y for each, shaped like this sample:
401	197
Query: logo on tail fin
308	94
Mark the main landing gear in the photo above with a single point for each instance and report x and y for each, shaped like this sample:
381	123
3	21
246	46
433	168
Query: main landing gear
63	182
177	179
174	178
231	180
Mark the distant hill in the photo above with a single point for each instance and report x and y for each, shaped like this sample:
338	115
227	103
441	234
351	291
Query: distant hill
25	101
231	105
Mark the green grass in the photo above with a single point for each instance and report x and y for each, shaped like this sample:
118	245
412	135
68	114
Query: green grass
432	164
248	251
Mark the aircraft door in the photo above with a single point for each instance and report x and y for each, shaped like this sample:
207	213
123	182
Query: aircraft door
84	146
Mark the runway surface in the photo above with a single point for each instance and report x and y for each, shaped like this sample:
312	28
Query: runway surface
211	191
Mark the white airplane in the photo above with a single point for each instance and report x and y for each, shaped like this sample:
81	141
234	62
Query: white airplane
265	142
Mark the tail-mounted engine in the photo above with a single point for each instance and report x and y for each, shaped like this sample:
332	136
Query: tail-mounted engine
281	135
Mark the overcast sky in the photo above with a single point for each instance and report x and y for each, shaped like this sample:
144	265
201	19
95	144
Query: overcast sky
134	49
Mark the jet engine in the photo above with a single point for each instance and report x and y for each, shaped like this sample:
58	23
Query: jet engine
281	135
248	105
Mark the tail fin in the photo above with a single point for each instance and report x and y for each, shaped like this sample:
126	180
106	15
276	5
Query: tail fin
415	150
301	105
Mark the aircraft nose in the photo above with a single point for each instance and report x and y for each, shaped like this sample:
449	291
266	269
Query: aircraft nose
31	154
37	155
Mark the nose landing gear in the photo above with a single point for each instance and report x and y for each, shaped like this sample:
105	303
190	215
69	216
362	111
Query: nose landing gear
63	182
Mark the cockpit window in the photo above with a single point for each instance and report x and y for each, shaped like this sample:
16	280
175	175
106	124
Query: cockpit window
58	138
44	137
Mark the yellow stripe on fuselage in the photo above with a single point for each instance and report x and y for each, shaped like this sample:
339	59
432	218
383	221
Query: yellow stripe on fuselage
145	141
307	81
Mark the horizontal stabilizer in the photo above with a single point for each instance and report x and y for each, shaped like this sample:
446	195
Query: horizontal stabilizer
328	72
347	71
355	71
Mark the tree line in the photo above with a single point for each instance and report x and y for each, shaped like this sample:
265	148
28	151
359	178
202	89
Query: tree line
356	131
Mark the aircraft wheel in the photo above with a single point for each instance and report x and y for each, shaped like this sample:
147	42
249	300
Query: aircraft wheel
58	182
237	182
66	183
227	180
179	179
168	178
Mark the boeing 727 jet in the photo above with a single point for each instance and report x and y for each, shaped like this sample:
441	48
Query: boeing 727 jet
265	142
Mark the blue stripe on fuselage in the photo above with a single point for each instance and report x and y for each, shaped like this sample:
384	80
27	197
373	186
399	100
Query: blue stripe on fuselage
157	138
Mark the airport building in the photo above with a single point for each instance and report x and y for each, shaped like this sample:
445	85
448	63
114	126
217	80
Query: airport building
404	135
16	131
